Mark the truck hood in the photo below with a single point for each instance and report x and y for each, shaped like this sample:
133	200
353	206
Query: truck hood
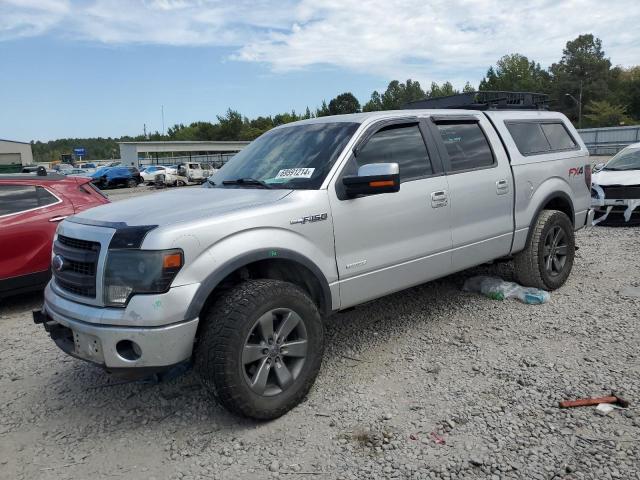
180	205
611	177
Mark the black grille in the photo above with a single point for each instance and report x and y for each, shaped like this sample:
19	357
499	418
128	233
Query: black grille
77	272
620	192
79	244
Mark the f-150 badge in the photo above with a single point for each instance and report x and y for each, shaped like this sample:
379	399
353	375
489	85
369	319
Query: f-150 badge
310	218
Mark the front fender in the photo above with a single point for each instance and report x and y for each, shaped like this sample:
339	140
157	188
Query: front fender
240	249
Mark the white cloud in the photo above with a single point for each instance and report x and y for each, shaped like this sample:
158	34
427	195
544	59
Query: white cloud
438	39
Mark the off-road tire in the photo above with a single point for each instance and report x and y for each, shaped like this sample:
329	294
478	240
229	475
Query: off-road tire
530	265
221	339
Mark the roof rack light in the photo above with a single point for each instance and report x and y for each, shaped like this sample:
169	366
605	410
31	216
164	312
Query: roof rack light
487	100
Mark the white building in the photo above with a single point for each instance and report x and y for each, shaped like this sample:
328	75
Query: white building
15	153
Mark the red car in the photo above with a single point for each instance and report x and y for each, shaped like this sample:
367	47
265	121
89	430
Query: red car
30	208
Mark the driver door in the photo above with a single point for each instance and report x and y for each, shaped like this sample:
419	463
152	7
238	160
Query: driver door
391	241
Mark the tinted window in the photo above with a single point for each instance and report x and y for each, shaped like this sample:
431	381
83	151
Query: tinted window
466	145
402	145
19	198
529	138
44	197
558	137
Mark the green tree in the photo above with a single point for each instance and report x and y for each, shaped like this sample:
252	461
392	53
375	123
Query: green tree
230	126
344	103
443	90
626	89
396	96
583	67
601	113
516	73
323	111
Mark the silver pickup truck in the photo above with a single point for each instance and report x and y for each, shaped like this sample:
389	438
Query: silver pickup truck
311	218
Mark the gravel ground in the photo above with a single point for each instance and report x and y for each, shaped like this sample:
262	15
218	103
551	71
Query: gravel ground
427	383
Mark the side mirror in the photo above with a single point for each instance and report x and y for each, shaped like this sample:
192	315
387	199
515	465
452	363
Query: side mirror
373	179
598	167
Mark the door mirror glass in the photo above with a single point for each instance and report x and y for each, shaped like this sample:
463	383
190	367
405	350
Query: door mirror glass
373	179
598	167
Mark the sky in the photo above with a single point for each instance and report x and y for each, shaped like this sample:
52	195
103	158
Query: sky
88	68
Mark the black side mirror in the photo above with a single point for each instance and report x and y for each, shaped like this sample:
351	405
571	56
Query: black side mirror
373	179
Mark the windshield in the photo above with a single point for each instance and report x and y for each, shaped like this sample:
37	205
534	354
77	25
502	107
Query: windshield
99	172
299	156
627	159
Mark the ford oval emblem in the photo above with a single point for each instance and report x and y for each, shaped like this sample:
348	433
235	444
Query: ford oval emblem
57	263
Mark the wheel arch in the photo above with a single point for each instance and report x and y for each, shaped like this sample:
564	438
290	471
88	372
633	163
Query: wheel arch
557	200
274	263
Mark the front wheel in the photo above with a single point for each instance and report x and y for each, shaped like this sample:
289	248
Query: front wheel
260	348
131	183
547	260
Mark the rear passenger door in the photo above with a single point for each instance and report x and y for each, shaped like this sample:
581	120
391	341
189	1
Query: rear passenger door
480	188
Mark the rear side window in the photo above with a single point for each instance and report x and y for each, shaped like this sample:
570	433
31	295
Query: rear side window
20	198
398	144
466	145
535	138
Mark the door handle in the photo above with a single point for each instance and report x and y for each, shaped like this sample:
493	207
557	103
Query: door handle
59	218
502	187
439	199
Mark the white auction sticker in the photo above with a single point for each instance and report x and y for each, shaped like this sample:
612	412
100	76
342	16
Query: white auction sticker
295	173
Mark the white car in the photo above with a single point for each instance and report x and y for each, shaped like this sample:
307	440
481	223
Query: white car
615	186
149	174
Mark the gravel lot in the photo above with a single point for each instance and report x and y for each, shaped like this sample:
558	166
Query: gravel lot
427	383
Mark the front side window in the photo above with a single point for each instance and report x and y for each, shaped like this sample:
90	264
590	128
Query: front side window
296	156
399	144
20	198
466	145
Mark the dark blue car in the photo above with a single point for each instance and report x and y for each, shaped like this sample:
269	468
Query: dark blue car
107	177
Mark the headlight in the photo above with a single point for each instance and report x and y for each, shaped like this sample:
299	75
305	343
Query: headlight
139	271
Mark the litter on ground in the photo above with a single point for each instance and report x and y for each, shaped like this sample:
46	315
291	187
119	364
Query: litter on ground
498	289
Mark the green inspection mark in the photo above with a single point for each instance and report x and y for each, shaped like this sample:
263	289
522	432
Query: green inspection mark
273	253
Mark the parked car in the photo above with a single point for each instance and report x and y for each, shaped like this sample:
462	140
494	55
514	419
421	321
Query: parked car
149	173
88	166
111	177
75	171
311	218
31	207
615	191
193	172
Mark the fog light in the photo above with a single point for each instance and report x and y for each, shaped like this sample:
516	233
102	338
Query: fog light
128	350
118	294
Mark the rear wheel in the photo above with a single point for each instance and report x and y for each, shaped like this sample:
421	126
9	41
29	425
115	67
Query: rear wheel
260	348
547	260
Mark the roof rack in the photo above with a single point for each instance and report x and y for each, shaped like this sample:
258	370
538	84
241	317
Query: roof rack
488	100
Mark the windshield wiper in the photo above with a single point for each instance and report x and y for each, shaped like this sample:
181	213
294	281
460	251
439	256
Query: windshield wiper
247	181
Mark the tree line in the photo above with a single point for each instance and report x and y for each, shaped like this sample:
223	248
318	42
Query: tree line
610	97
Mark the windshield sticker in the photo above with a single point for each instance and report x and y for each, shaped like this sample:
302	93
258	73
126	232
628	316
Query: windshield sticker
295	173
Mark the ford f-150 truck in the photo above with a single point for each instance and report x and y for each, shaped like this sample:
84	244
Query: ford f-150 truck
311	218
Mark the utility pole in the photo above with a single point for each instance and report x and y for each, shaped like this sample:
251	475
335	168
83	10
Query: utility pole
162	109
578	102
145	129
580	107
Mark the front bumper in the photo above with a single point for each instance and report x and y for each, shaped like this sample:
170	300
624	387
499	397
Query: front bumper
118	347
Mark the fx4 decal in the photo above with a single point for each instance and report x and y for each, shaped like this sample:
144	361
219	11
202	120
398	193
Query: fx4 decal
575	171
